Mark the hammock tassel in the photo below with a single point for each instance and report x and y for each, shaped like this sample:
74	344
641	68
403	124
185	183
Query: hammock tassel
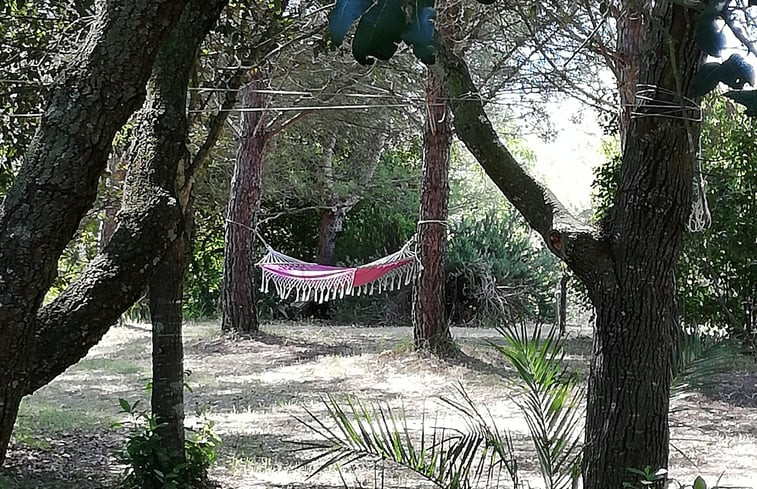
324	283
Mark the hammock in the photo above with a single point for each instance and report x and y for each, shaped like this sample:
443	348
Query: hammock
322	283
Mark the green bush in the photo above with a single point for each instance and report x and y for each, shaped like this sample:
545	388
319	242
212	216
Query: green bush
495	269
151	467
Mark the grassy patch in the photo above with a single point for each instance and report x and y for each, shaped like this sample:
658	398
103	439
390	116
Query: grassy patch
36	417
111	366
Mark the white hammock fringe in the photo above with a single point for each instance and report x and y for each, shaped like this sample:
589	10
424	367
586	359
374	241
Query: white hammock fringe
337	282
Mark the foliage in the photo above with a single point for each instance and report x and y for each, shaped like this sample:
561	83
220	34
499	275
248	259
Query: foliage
697	359
718	269
448	458
718	21
204	276
452	458
496	271
151	467
34	37
550	403
649	477
549	397
382	26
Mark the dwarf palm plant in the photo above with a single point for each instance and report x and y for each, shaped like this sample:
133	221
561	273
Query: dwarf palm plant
548	395
550	401
458	459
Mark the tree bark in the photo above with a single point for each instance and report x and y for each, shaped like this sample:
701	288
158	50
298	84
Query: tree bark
562	305
332	221
167	95
167	399
114	182
628	265
57	184
431	330
238	306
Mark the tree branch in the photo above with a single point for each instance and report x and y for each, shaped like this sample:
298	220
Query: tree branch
563	233
148	221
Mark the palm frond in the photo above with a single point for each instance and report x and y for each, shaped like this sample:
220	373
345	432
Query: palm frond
500	443
550	402
449	458
697	359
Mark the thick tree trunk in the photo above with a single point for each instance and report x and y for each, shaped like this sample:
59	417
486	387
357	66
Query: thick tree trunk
57	184
238	306
628	266
629	385
431	330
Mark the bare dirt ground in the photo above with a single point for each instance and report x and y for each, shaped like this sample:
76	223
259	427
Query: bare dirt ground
253	389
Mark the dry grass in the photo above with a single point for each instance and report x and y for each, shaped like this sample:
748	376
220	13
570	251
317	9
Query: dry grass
253	389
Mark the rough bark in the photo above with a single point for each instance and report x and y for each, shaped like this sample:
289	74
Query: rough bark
238	291
430	328
629	385
167	91
108	221
332	221
167	398
628	265
57	183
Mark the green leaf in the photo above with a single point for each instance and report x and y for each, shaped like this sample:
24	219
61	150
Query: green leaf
699	483
420	34
709	36
125	407
736	71
706	79
345	13
747	98
379	32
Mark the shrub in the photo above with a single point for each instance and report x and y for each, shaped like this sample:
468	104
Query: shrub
151	467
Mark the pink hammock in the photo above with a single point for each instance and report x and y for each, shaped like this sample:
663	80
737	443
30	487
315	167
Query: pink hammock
321	283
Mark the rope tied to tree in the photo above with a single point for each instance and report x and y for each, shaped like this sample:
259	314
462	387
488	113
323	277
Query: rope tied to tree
654	101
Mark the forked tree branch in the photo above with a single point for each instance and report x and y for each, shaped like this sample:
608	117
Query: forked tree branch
565	235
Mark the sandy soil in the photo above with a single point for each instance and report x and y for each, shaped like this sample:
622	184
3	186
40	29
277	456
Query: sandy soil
254	389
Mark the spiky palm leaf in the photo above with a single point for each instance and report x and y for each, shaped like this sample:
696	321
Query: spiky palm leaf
451	459
697	359
551	401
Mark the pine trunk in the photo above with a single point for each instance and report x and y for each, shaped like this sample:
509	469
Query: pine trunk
431	331
238	306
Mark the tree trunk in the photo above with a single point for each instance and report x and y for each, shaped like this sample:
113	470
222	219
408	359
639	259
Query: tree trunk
167	96
431	331
238	306
627	265
332	221
629	385
167	401
562	305
57	184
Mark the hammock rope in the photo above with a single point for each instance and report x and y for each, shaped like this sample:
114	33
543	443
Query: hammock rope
321	283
